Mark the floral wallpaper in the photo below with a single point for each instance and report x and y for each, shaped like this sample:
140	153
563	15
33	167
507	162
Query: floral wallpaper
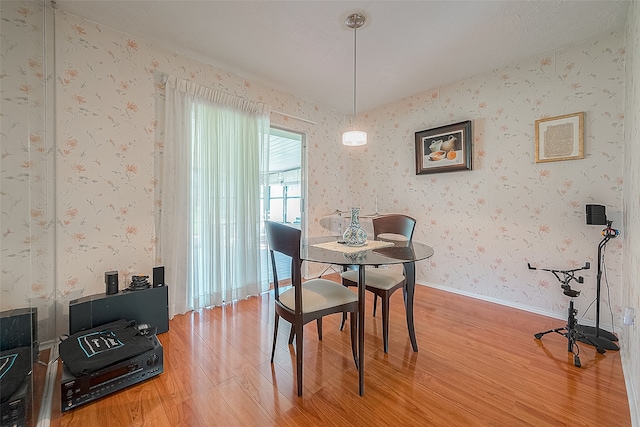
26	181
488	223
631	202
110	134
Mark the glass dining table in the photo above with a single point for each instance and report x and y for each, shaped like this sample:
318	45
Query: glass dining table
328	250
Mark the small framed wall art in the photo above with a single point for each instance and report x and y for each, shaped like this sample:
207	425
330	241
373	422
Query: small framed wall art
560	138
444	149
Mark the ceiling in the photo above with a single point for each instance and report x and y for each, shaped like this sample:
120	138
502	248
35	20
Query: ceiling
304	48
285	151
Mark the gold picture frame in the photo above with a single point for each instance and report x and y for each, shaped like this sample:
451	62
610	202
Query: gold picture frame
560	138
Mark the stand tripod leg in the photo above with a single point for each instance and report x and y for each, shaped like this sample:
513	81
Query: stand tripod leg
573	334
571	342
556	330
576	361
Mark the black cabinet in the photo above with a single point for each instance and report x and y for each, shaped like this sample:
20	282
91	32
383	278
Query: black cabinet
147	306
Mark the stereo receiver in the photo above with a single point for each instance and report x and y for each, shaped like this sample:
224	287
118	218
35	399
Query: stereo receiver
76	391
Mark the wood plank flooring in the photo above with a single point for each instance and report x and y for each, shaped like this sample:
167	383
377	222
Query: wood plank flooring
478	365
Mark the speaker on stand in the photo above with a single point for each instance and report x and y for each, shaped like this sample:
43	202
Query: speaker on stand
596	215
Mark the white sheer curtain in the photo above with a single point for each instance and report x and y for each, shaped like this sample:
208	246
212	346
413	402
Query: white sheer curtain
210	217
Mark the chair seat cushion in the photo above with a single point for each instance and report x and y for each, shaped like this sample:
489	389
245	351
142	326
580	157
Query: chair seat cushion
378	278
319	294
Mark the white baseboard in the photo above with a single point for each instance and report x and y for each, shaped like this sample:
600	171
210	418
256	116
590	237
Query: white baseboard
632	393
506	303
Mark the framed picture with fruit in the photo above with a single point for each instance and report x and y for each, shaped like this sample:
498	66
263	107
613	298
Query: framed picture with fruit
444	149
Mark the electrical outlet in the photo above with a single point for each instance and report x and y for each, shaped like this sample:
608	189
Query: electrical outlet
629	316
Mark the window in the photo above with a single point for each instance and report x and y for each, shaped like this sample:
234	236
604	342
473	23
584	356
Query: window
283	193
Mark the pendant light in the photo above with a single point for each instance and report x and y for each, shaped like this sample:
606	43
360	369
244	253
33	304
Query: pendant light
354	137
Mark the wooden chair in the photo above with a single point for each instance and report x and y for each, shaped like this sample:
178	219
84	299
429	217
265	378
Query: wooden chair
304	302
381	282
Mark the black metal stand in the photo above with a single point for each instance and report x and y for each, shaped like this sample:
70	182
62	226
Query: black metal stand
604	339
571	331
573	334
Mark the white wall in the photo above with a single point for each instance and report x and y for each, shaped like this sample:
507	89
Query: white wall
488	223
27	217
109	131
631	238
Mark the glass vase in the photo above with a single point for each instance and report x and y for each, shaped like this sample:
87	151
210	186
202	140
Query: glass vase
355	235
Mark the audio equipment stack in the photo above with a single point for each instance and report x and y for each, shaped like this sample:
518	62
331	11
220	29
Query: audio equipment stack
76	391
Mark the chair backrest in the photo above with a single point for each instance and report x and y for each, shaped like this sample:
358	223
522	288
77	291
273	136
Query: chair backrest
285	240
394	224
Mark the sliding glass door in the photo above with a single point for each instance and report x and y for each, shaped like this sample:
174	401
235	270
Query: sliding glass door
284	190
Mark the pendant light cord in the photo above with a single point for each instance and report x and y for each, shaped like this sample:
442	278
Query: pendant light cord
355	52
355	137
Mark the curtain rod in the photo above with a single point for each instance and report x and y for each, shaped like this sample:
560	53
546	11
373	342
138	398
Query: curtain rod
165	76
302	119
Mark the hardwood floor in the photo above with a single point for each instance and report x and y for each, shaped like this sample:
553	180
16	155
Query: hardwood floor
478	364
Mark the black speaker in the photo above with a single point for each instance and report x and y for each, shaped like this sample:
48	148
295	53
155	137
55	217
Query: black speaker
158	276
111	280
596	215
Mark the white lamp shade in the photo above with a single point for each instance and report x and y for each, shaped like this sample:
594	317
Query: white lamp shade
354	138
